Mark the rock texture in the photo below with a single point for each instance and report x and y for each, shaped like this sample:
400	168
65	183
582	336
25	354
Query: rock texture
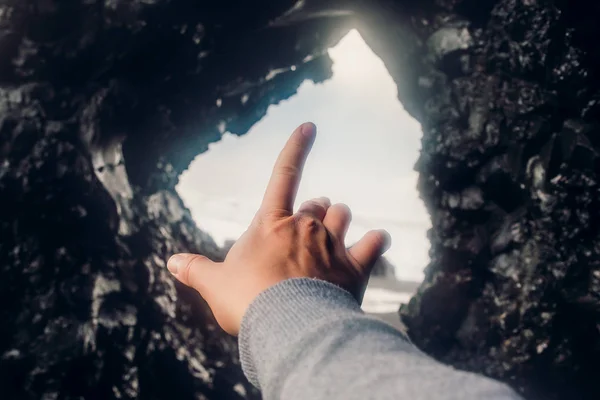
104	102
509	173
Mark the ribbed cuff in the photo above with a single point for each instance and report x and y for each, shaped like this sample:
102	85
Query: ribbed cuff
281	314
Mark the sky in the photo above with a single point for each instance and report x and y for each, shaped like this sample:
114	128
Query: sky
364	154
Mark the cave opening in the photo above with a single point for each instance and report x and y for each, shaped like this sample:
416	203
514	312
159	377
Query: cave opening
366	147
103	105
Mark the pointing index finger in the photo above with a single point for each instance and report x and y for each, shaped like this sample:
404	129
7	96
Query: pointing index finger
285	179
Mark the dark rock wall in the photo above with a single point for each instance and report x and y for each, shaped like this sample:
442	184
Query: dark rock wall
507	93
104	103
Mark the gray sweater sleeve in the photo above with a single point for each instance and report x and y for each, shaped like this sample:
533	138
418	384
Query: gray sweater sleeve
308	339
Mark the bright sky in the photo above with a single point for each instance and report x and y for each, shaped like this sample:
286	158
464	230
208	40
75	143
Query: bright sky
363	156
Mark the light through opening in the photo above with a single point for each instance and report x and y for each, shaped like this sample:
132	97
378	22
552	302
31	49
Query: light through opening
364	154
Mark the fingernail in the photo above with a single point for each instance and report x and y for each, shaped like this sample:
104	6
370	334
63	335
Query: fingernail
175	263
308	129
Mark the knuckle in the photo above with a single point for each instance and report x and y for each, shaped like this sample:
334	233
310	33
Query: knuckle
185	272
376	238
277	228
273	215
324	201
308	223
344	210
310	204
288	170
314	206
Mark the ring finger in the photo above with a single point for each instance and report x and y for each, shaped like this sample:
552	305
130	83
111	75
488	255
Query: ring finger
337	220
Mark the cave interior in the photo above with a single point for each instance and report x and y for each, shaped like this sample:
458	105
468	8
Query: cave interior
103	104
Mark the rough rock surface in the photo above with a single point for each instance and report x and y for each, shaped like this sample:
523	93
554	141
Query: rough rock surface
509	173
104	102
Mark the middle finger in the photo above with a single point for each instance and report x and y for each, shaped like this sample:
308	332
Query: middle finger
316	207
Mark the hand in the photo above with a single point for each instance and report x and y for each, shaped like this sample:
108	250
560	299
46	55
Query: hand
280	245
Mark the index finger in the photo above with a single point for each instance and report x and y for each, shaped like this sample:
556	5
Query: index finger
285	179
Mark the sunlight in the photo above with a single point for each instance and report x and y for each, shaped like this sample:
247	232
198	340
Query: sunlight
364	154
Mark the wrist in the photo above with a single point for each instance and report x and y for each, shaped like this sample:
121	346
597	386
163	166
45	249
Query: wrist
281	314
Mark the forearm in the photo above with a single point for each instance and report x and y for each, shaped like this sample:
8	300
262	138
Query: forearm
308	339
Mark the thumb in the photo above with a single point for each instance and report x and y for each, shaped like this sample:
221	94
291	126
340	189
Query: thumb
368	249
193	270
